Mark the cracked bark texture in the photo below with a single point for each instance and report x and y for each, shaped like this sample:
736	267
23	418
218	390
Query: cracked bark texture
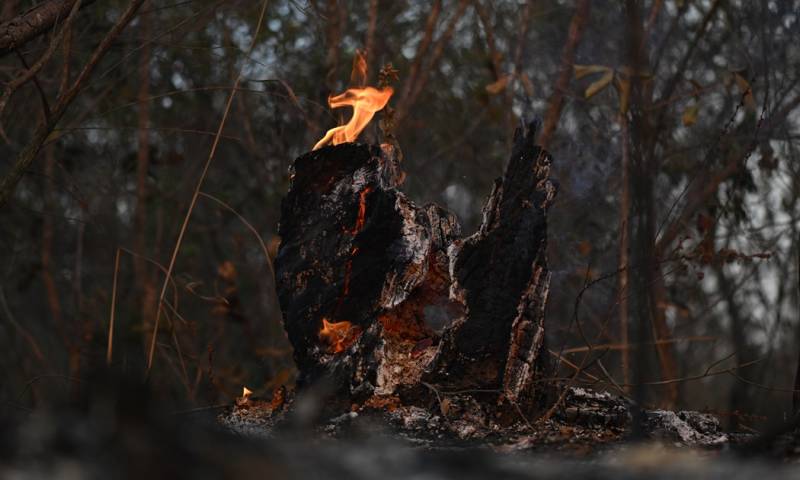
417	306
21	29
501	274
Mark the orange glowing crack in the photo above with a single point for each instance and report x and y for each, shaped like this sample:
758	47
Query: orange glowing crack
341	335
362	210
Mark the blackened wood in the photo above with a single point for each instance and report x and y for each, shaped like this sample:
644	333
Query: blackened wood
501	272
422	308
353	247
19	30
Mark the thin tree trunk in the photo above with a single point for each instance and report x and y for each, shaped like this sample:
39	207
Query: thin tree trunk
661	331
495	58
556	103
796	394
419	55
51	290
369	42
653	294
336	17
624	246
523	25
144	281
9	7
739	391
414	89
643	274
52	296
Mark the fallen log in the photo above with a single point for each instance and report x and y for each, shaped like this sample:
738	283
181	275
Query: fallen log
385	302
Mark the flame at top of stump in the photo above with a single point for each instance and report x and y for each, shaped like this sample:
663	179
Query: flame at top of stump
365	101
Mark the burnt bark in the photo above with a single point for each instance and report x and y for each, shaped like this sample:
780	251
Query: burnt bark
382	298
21	29
501	274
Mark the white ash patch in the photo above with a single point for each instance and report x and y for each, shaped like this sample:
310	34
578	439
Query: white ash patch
690	428
579	392
254	419
400	365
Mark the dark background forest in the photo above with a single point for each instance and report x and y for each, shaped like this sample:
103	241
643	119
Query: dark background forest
673	125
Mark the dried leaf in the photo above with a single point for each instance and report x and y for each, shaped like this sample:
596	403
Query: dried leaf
629	72
584	70
227	271
585	247
623	85
498	86
689	117
526	84
746	90
599	85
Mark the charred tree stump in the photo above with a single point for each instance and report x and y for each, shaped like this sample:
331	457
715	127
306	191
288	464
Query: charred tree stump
383	299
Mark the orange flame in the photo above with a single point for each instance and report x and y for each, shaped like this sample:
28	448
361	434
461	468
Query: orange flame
358	75
364	100
338	335
246	392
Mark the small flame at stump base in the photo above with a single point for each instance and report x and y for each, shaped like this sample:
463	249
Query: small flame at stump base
245	398
339	336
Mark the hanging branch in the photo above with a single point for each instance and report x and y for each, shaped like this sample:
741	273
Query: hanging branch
427	38
25	157
556	103
25	27
30	73
415	88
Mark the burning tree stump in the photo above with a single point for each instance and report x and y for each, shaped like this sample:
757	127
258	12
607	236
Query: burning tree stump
385	301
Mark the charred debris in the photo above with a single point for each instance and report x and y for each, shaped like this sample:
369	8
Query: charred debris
397	317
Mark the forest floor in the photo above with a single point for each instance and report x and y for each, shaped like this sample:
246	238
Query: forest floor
121	433
410	442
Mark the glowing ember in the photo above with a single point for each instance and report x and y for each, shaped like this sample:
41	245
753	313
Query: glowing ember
244	400
338	335
365	102
362	210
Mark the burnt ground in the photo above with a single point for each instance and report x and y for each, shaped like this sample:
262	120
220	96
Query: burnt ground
123	431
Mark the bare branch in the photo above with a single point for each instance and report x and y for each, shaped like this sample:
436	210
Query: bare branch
25	27
31	150
556	103
31	72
